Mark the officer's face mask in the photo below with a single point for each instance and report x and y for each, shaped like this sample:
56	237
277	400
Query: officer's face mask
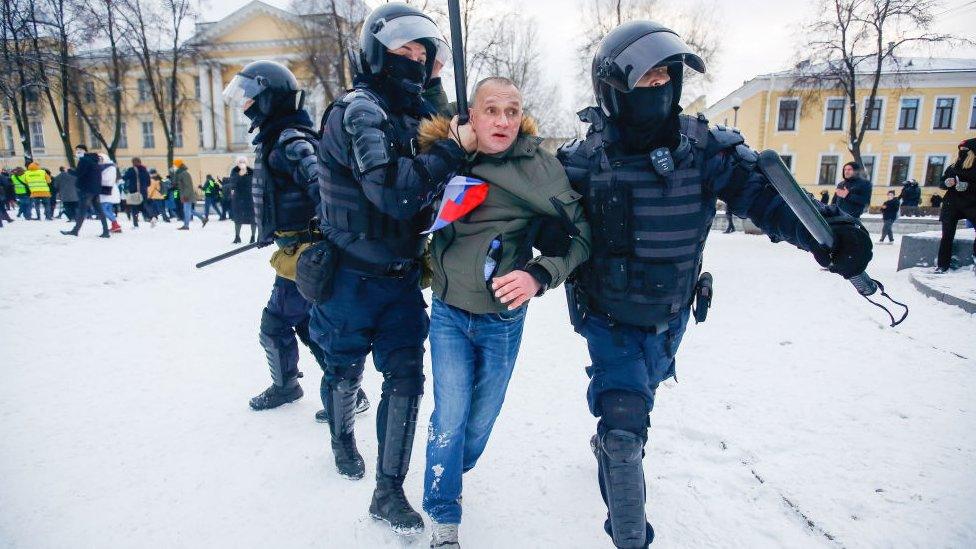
409	75
647	109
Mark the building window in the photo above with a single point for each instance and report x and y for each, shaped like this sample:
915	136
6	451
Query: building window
10	141
944	107
900	168
196	87
872	112
868	163
200	132
828	169
788	160
787	115
908	114
972	115
241	126
835	115
89	92
143	86
148	139
178	133
933	170
123	137
37	135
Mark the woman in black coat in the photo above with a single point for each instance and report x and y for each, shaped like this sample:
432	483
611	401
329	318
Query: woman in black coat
959	201
242	203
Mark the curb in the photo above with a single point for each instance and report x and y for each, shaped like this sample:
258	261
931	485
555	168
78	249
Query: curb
968	306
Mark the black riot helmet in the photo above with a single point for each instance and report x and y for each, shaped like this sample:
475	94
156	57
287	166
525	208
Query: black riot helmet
392	25
626	54
263	89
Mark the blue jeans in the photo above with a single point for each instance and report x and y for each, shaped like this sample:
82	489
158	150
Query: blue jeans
629	358
473	356
24	206
109	210
189	212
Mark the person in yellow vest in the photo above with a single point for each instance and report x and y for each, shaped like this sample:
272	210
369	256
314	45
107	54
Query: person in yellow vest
21	193
39	185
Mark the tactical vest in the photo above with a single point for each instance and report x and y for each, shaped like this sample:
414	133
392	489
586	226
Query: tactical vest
648	230
344	204
280	202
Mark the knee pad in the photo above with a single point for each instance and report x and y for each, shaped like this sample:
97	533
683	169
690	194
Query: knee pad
272	325
624	410
348	372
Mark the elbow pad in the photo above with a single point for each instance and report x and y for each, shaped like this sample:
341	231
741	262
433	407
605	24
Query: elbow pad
300	151
365	121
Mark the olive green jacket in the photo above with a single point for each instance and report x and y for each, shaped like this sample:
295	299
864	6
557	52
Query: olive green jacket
525	183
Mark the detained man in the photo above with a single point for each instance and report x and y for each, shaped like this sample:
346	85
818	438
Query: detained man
484	274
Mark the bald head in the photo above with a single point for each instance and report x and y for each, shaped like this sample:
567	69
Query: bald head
496	114
494	83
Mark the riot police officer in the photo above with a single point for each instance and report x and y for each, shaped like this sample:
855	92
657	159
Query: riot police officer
285	190
650	177
376	191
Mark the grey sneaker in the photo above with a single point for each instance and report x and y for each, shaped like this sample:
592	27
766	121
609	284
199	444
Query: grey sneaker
445	536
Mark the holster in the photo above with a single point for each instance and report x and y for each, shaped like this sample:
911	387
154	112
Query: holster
577	304
703	297
316	271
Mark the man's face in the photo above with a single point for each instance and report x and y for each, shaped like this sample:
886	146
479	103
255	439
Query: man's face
414	51
653	78
496	117
848	172
891	195
79	153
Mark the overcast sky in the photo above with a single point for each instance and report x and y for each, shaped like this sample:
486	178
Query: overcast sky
758	36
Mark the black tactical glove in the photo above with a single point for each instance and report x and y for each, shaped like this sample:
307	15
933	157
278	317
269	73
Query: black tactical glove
852	247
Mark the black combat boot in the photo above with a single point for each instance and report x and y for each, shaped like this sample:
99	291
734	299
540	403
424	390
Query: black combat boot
396	422
341	406
276	395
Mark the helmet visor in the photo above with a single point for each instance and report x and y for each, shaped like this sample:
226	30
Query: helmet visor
644	54
241	90
407	28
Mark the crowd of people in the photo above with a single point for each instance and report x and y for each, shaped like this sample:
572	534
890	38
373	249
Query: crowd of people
98	189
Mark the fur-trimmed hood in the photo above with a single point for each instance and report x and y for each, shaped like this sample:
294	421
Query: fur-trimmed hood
439	127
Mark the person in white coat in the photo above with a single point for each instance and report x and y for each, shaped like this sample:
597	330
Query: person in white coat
111	196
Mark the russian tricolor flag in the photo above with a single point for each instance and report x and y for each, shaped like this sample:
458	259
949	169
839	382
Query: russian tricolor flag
461	195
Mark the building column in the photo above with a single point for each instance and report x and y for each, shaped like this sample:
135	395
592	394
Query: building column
219	110
206	107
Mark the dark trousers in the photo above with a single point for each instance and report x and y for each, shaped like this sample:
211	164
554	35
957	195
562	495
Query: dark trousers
367	314
886	230
70	209
209	201
729	217
950	217
92	201
284	318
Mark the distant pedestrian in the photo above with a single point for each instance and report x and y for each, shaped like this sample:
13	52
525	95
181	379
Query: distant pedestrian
67	185
188	195
854	192
824	197
936	201
911	194
959	203
39	186
889	214
21	193
157	200
137	190
242	202
111	195
211	191
729	219
225	199
89	183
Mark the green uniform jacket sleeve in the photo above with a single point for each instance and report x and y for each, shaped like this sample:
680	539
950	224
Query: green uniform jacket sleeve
559	268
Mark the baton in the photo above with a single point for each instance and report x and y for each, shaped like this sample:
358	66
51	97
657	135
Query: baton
457	56
225	255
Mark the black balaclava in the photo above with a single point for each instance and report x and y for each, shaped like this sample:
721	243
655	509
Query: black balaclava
649	116
404	73
968	175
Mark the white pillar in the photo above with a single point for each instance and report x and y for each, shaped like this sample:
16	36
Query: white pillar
220	124
206	107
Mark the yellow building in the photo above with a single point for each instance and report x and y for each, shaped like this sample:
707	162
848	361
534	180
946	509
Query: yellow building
920	116
211	135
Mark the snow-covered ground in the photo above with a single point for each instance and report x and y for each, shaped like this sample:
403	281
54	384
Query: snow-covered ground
799	419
